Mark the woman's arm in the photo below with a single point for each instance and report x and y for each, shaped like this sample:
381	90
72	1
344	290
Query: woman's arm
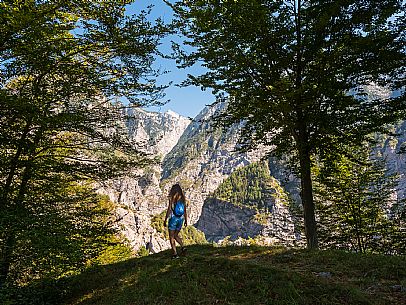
168	212
186	214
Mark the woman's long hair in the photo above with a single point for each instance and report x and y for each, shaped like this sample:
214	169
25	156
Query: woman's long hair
176	194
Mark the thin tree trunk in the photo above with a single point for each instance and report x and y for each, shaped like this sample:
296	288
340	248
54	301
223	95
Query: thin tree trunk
8	247
358	218
307	199
14	165
9	237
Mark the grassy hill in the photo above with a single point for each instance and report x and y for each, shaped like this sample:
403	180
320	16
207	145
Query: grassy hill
238	275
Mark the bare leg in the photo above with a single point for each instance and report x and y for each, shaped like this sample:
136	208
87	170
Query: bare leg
178	238
172	241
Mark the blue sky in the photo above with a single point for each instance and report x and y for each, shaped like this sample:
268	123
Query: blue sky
187	101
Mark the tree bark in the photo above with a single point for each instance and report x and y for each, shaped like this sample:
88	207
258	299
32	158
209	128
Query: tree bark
10	237
307	199
13	166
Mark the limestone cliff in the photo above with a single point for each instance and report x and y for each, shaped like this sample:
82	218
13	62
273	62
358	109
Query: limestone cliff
203	159
248	204
139	196
199	157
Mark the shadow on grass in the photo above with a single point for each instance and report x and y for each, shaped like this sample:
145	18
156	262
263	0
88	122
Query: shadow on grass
209	275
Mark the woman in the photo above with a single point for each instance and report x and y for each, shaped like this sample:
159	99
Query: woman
177	212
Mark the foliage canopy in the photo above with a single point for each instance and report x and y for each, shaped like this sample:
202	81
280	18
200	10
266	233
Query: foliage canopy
297	72
61	65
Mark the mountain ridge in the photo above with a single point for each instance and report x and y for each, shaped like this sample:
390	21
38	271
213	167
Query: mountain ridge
196	155
200	158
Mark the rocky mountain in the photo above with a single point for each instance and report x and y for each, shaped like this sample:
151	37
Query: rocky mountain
138	196
203	159
250	203
160	132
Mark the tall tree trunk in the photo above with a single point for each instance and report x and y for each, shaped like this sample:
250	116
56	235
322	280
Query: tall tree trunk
7	248
14	165
10	237
302	141
9	244
307	198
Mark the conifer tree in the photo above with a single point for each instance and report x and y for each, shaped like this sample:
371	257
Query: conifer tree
354	200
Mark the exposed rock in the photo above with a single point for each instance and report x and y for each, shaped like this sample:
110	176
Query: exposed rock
200	158
324	274
391	149
248	204
220	219
160	131
139	195
398	288
203	158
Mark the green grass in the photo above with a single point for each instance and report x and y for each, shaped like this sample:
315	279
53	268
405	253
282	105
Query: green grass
241	275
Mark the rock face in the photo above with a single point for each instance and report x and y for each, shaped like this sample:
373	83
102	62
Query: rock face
159	131
392	149
221	218
140	198
248	204
199	157
203	159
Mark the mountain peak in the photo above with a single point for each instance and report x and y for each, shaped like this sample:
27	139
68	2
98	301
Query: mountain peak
172	113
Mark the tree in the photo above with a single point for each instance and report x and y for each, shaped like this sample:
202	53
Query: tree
354	202
397	229
295	72
62	63
61	228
